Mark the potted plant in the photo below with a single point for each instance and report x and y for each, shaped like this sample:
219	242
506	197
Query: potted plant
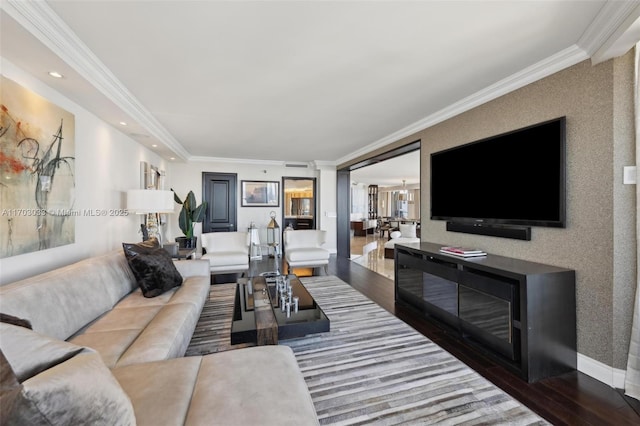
190	214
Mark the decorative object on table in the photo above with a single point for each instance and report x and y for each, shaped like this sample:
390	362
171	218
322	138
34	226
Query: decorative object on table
151	203
190	214
257	193
38	172
463	251
255	251
273	234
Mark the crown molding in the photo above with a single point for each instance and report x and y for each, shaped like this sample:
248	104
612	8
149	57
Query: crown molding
315	164
609	21
535	72
204	159
46	26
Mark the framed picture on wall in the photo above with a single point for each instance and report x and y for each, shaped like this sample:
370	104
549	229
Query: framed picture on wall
259	193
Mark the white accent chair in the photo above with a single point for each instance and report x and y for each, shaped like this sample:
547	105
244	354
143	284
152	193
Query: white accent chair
227	252
302	249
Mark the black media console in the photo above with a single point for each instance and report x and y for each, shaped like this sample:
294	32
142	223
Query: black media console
522	314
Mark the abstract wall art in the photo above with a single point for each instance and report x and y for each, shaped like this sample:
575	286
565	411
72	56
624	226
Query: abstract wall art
37	172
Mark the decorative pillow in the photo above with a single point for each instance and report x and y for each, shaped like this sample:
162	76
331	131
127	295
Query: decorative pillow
10	319
408	230
78	391
30	353
10	390
395	234
152	266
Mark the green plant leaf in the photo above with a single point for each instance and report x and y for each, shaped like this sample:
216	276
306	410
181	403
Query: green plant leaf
184	221
175	197
190	202
199	212
190	213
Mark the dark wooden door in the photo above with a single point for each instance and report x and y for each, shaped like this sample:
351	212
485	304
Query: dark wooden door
219	190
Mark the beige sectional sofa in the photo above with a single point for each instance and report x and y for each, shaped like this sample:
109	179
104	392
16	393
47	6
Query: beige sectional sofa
93	328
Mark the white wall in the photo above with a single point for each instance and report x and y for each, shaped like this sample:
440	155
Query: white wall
183	177
107	165
328	205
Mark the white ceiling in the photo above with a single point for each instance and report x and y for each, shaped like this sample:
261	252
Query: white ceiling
298	81
390	172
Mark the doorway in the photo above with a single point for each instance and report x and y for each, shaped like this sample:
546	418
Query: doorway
397	198
219	190
299	202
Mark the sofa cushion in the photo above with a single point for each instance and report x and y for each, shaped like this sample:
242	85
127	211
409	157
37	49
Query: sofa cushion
400	240
30	353
307	254
226	388
80	390
167	336
161	391
226	258
274	393
164	331
152	266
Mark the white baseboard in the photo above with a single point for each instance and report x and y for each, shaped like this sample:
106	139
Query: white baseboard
613	377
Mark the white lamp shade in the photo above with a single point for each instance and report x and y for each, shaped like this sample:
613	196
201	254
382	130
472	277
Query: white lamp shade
143	201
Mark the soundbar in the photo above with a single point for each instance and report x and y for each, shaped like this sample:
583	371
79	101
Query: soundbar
503	231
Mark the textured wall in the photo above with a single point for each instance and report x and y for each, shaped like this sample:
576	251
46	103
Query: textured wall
624	204
585	95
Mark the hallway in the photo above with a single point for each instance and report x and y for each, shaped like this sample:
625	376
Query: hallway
368	251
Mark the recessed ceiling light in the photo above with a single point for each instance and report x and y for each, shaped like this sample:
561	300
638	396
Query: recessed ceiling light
122	123
154	145
172	158
55	74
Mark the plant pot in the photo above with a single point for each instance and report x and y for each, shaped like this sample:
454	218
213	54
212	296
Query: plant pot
184	242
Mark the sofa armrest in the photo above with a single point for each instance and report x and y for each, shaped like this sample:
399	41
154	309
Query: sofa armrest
192	268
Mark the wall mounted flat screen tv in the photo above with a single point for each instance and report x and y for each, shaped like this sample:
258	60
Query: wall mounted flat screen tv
516	178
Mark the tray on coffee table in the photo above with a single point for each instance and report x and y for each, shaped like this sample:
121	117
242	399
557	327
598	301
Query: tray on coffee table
258	316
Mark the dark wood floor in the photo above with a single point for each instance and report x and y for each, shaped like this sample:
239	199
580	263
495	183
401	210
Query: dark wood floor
570	399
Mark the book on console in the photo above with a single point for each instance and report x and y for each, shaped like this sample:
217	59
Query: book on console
463	251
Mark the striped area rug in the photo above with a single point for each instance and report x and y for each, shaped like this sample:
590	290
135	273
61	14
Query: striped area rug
372	368
213	331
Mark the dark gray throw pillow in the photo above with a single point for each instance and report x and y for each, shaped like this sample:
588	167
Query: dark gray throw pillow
152	266
10	319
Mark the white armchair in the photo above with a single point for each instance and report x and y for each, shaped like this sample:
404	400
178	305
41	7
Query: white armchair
302	249
227	252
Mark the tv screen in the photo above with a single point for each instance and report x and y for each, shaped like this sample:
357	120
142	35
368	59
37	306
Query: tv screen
517	178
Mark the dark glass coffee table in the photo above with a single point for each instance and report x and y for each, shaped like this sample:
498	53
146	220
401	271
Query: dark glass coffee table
258	316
